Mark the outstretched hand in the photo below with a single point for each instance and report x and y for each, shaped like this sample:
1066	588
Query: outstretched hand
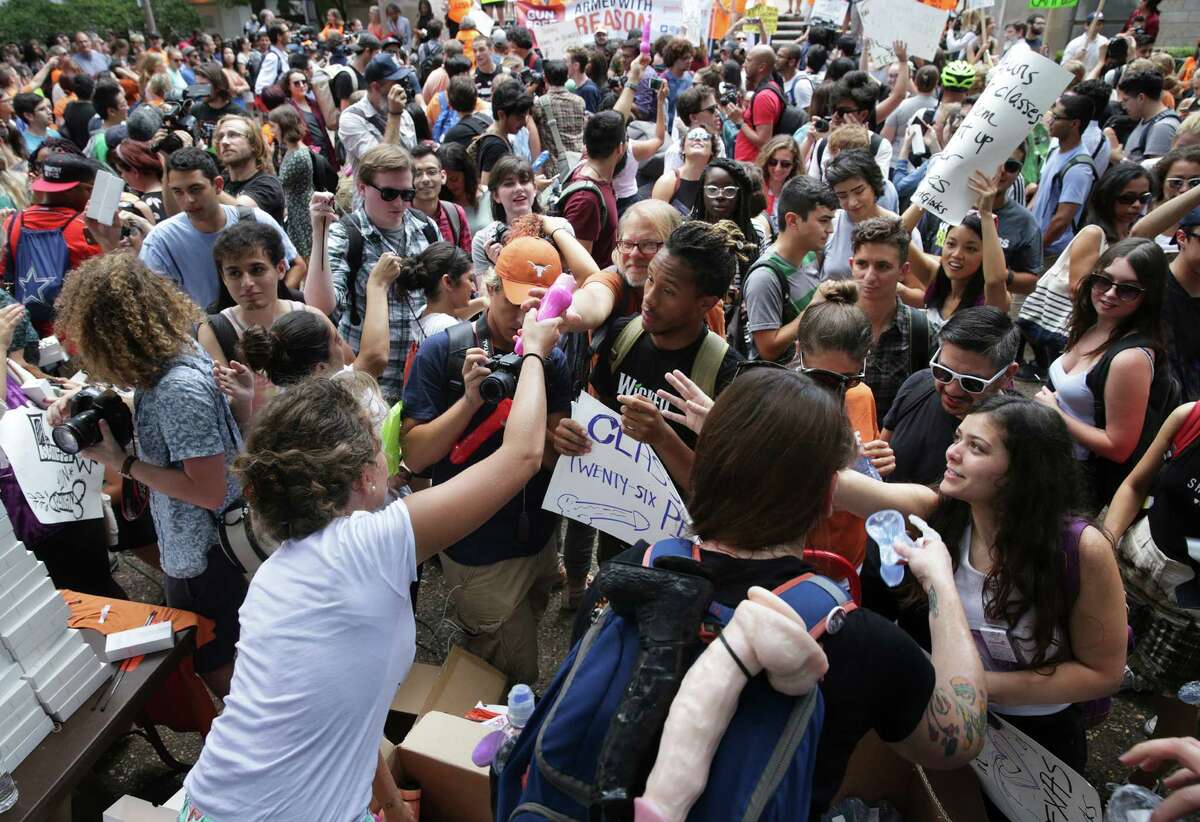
693	404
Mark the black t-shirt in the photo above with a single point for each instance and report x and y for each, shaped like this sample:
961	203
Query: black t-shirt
76	116
879	678
483	81
265	190
153	199
921	431
643	371
465	130
491	148
207	117
345	84
1172	517
1181	328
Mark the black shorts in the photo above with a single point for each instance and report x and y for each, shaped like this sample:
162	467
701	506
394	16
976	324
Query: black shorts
217	593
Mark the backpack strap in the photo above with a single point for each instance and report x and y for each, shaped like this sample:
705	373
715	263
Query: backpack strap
781	270
462	336
583	185
1187	434
354	260
10	249
245	212
624	343
225	333
783	754
1083	158
560	150
708	362
919	342
455	220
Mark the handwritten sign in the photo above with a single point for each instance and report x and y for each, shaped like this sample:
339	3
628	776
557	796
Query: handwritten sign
768	16
59	487
1027	782
916	24
555	38
1019	89
970	5
620	487
831	11
1052	4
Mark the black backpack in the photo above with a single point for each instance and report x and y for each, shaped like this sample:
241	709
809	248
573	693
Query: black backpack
430	55
790	117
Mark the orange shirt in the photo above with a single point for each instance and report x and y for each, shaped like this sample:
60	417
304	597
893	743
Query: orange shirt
611	280
843	533
722	19
467	38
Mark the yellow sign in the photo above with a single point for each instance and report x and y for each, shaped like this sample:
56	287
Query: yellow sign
767	15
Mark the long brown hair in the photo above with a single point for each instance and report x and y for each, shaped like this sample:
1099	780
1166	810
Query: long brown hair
1149	263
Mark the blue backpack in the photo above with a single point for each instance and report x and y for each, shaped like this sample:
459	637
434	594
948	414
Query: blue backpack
446	118
586	724
34	272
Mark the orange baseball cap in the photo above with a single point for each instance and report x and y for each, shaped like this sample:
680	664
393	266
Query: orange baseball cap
526	263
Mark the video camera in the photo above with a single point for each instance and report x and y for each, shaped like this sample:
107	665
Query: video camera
176	115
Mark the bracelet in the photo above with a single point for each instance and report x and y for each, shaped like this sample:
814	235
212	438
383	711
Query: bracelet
631	86
1008	281
127	466
536	356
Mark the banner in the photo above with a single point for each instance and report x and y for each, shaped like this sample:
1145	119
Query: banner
886	21
1019	90
59	487
1027	782
620	487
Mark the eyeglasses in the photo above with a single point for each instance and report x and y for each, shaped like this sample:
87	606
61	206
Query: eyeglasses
845	112
835	381
645	246
1126	292
390	194
751	365
1054	115
773	163
1130	199
722	192
1012	166
709	109
968	382
1176	183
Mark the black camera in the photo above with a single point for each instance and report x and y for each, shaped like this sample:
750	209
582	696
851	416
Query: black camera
729	94
82	429
655	83
502	382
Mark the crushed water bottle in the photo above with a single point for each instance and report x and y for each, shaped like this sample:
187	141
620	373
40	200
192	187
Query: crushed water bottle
1131	803
1189	693
885	527
8	787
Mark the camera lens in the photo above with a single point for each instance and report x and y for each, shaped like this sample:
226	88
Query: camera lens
496	386
78	432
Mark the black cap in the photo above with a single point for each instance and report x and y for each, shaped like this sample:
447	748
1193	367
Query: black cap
62	172
366	41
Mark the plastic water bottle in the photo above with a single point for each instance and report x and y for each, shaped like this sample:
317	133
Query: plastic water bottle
1131	803
8	787
864	465
885	527
1189	693
520	709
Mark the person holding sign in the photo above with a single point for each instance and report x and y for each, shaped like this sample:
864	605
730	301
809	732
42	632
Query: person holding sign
1040	586
971	269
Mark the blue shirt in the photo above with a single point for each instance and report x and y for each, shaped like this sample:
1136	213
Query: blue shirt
590	92
675	87
426	397
1072	187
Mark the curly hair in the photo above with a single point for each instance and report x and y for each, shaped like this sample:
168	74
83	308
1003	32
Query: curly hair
127	321
308	447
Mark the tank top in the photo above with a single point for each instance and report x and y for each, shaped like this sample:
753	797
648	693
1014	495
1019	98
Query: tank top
685	196
989	635
264	389
1074	397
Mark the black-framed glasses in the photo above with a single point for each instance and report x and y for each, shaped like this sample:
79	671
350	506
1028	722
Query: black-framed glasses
647	247
968	382
1130	199
1176	183
390	194
1126	292
1012	166
835	381
845	112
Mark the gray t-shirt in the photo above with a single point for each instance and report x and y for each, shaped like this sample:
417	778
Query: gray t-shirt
182	254
1153	137
185	416
899	119
763	295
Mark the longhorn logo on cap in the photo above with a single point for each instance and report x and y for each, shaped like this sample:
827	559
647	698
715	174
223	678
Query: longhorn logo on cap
538	270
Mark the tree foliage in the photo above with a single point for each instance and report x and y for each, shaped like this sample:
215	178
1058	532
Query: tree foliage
26	20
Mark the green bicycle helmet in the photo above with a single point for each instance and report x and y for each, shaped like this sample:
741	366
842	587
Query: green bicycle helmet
958	74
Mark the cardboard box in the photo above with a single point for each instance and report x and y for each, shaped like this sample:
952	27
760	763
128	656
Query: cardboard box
437	754
143	640
68	700
131	809
15	749
454	688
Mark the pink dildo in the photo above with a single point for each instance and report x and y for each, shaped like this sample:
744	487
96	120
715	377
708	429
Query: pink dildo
646	39
554	304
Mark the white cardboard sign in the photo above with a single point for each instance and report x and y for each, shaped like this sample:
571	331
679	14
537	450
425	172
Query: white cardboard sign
1027	782
886	21
59	487
555	38
1019	90
620	487
831	11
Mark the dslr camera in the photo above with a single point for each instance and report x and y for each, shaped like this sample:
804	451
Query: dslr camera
729	94
502	382
82	429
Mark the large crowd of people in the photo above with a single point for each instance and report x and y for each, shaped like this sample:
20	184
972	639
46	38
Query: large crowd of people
320	295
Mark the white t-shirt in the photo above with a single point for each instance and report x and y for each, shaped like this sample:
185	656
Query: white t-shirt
435	322
327	635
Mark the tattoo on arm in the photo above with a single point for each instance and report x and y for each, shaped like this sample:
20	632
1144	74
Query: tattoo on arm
956	714
933	602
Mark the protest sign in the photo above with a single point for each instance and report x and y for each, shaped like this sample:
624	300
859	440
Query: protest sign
1027	782
917	25
59	487
970	5
555	38
1019	90
1052	4
483	21
620	487
832	11
945	5
768	16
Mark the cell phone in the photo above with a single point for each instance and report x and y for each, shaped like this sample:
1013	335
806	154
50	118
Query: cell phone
656	83
928	116
106	196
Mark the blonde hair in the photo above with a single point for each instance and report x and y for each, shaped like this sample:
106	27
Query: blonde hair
380	160
846	137
777	143
159	85
262	155
127	321
1190	127
150	64
663	217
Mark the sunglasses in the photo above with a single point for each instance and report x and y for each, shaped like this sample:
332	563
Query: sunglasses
1126	292
1130	199
773	163
709	109
968	382
645	246
751	365
1176	183
390	194
1012	166
725	193
835	381
845	112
